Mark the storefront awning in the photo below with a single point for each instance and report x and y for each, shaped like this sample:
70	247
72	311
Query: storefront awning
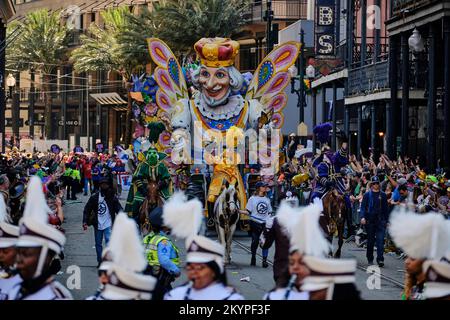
110	98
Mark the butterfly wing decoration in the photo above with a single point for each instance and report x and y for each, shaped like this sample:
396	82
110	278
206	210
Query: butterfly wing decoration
168	75
271	78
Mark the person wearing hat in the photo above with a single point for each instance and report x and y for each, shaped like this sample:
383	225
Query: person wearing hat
291	221
162	254
421	237
122	270
205	257
100	212
38	246
374	216
8	238
259	209
330	175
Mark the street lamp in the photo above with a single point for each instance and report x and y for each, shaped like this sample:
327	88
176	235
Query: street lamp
415	42
301	90
310	72
11	83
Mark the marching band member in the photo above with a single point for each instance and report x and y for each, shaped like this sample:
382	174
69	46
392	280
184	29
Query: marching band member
124	263
37	247
8	238
421	237
205	257
306	239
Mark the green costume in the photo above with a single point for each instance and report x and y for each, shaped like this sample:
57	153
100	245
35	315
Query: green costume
152	169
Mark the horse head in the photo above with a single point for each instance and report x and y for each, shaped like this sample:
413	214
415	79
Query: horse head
231	200
334	210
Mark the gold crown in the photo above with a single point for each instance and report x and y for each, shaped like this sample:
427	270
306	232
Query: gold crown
217	52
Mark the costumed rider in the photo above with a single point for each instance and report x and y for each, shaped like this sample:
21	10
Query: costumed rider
422	237
151	169
331	170
205	257
162	254
9	233
124	262
38	245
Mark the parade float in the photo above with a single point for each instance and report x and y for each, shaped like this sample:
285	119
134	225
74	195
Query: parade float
206	104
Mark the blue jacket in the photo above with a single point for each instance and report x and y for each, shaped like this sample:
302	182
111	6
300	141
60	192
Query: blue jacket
367	205
166	252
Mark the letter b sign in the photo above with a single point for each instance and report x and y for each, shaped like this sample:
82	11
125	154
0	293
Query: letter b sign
326	16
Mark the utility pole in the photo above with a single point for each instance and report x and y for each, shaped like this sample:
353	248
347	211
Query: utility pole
31	104
2	86
269	18
88	82
301	70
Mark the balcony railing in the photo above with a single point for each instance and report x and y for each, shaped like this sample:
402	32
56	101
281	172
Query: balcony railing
73	93
368	79
370	53
400	6
282	10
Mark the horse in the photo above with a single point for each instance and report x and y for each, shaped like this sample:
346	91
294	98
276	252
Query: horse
334	217
226	217
152	200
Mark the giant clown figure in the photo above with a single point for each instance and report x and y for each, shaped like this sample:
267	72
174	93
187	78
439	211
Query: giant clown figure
218	106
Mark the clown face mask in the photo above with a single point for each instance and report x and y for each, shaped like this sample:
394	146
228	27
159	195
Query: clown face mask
215	85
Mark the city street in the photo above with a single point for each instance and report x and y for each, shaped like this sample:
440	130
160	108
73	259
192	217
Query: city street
80	252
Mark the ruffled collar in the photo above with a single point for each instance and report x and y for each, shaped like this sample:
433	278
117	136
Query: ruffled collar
230	109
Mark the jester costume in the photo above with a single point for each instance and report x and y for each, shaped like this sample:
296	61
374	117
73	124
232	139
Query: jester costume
151	169
329	167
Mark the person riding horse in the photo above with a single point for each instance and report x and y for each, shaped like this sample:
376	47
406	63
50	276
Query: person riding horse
152	169
330	168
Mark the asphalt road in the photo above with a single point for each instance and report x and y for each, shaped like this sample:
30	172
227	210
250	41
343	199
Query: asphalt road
79	272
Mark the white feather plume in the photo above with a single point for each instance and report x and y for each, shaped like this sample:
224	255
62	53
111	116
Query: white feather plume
420	235
287	216
183	217
125	244
36	206
307	235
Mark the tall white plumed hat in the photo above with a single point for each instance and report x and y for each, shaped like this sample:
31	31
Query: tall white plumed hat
34	229
307	237
185	218
125	278
420	236
8	233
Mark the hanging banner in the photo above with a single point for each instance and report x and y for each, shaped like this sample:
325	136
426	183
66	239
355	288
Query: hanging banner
325	28
124	179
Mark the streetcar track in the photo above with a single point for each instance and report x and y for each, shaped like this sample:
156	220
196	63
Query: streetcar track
360	267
